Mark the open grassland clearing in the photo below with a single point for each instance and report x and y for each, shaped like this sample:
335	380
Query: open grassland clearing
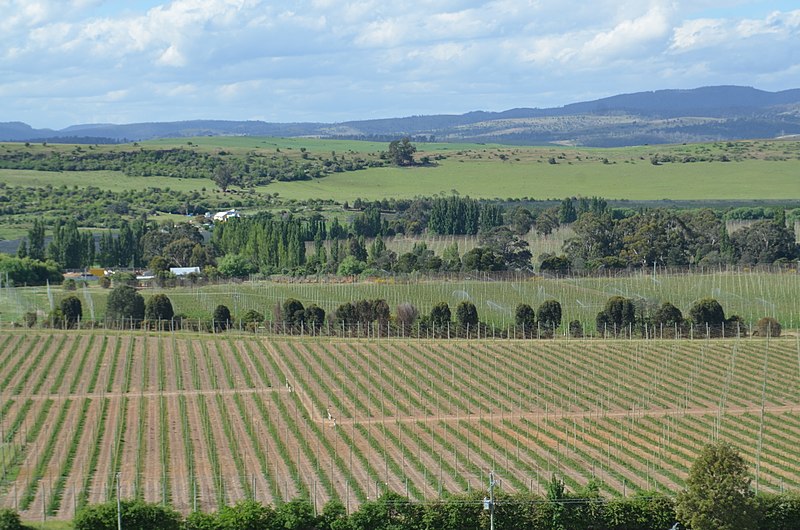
201	421
641	180
749	294
762	169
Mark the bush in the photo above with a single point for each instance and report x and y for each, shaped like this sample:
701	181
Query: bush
9	520
549	316
467	315
406	315
221	317
135	514
314	317
767	327
525	318
293	312
71	310
707	312
30	318
440	315
70	285
124	303
346	315
575	329
158	308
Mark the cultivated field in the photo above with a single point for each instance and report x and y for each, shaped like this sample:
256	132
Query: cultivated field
201	420
749	294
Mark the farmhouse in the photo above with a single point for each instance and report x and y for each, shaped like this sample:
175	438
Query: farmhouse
224	216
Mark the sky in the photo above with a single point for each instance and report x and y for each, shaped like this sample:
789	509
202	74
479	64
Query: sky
65	62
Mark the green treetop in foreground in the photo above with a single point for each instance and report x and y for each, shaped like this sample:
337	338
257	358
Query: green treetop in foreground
718	494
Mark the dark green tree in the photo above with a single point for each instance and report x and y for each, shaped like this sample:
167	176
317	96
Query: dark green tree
158	307
36	234
567	212
124	303
223	176
246	515
314	317
440	315
71	310
346	315
10	520
467	315
717	494
707	312
134	514
549	314
525	318
221	317
618	315
401	152
293	312
668	315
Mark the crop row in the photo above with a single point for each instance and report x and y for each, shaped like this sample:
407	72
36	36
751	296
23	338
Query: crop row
205	421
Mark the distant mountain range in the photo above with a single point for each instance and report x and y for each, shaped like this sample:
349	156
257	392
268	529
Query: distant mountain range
664	116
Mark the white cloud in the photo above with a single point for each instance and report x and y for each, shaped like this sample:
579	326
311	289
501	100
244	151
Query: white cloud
352	58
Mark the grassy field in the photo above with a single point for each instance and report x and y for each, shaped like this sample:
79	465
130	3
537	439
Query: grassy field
751	295
756	170
207	420
491	179
106	180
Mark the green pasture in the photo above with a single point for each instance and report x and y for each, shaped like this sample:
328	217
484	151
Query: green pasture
749	179
756	170
751	295
106	180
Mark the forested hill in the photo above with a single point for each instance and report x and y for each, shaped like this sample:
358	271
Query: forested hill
663	116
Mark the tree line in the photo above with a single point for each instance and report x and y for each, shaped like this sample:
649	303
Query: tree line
620	318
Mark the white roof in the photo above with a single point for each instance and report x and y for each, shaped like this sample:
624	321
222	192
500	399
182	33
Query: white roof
183	271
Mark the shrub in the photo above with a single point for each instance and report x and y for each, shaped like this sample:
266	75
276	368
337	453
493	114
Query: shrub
406	315
71	310
293	311
617	316
9	520
440	315
707	312
314	316
549	316
135	514
158	308
668	315
768	327
467	315
575	329
221	318
346	315
124	303
70	285
30	318
525	318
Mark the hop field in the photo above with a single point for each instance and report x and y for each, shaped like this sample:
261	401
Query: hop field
749	294
200	421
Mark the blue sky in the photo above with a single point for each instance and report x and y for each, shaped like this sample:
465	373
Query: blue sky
65	62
